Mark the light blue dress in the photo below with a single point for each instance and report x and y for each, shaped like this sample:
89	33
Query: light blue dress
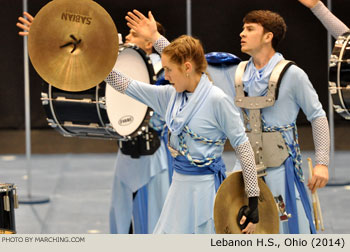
149	173
296	92
190	201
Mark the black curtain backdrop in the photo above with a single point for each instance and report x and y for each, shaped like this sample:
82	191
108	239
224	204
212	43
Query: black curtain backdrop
216	23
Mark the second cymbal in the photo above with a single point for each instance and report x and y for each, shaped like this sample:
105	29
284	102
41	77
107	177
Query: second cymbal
231	197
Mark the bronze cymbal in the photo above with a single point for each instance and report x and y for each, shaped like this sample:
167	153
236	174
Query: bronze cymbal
231	197
73	45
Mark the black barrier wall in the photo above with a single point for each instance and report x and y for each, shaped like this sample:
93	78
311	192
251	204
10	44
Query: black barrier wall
216	23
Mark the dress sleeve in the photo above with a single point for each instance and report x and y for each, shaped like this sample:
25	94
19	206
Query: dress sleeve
320	133
307	99
305	95
228	117
246	157
160	44
329	21
230	122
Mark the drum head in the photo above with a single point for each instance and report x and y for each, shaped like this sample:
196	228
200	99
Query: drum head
125	113
231	197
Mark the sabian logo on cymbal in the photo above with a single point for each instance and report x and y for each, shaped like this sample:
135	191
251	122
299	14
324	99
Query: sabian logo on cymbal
76	18
126	120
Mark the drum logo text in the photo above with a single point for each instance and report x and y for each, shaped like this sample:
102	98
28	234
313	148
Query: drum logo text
126	120
76	18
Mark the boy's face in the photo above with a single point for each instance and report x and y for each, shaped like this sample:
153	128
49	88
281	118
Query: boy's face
253	38
133	38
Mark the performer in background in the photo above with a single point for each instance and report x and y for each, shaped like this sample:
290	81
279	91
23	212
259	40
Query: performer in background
329	21
141	182
262	32
199	117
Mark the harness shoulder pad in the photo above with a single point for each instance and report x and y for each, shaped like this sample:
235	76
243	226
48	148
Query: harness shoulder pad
277	75
238	78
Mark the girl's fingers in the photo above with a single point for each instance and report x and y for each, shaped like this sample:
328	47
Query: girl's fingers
24	21
30	17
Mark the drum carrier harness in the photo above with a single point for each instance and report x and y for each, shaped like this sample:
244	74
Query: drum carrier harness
269	148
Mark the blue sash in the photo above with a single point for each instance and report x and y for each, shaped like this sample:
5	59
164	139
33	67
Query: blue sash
140	211
164	136
291	179
217	167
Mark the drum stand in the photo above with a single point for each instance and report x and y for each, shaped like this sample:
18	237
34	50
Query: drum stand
333	181
29	199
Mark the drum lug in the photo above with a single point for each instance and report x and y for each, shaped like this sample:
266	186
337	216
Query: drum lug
64	99
338	109
51	123
109	127
91	125
6	203
102	102
44	98
341	111
15	200
332	88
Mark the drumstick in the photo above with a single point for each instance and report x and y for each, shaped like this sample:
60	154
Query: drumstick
314	200
319	211
318	204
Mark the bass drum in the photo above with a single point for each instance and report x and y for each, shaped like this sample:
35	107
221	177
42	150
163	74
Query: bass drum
339	75
81	114
128	116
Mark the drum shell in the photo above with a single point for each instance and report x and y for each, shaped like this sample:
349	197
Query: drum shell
339	76
344	95
344	66
7	218
80	114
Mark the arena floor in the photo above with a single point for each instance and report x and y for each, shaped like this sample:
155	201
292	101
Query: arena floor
79	189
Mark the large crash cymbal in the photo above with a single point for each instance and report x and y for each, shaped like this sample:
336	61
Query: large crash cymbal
73	44
231	197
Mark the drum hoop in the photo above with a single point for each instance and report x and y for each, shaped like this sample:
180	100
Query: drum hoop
7	231
99	111
338	74
146	59
54	113
6	187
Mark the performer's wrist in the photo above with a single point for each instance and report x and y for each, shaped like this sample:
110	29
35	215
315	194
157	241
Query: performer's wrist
253	203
